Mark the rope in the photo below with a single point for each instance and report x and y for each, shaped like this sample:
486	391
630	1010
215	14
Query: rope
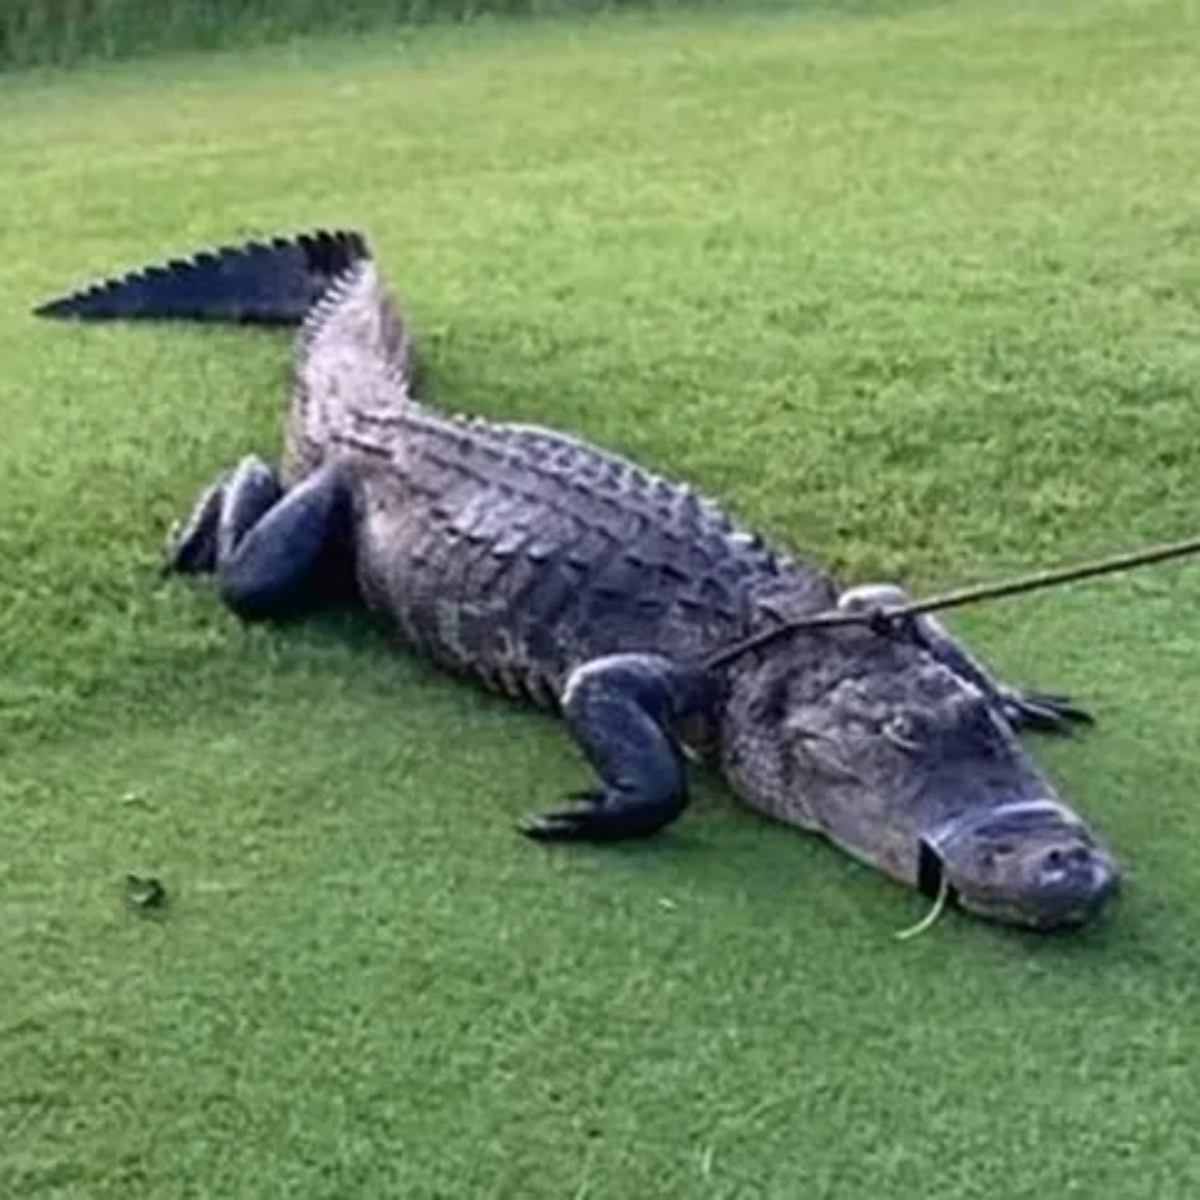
927	921
1038	581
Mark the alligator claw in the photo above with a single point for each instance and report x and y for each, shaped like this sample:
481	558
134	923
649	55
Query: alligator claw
1022	708
1043	711
604	817
191	547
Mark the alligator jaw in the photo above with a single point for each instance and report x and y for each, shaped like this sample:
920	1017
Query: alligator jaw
1030	863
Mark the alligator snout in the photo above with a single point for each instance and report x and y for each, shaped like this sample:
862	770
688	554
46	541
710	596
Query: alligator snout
1071	885
1025	862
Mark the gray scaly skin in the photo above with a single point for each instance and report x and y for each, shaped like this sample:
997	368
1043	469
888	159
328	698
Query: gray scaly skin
558	573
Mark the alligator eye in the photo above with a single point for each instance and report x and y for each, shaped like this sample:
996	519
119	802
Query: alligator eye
901	731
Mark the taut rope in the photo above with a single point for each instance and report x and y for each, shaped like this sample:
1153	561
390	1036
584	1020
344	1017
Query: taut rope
961	596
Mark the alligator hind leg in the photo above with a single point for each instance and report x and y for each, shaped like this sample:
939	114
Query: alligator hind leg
272	552
623	711
1023	708
192	542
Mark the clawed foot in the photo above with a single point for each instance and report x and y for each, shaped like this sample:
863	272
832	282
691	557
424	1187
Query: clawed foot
1023	708
603	817
191	547
1042	711
273	554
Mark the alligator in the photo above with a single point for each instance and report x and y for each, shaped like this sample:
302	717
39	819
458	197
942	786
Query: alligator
560	574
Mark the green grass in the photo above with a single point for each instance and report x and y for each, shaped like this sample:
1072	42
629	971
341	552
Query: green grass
918	294
37	32
69	32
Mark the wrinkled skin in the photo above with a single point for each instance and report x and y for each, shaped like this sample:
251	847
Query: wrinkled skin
869	739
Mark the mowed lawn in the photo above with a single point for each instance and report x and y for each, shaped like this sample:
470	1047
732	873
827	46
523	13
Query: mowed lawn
916	292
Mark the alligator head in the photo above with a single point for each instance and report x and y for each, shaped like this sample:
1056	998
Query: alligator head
868	738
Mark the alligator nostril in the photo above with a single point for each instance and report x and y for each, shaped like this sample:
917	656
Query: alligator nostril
1076	880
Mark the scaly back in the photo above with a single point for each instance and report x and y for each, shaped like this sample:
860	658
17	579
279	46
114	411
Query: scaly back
353	368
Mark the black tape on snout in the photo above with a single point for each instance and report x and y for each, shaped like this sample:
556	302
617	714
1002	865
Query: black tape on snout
930	868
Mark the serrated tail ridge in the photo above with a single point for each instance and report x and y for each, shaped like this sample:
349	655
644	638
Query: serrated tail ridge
273	282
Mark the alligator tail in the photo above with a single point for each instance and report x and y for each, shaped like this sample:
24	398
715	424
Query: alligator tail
275	282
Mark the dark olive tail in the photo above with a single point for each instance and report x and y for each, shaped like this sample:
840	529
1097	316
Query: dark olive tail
260	283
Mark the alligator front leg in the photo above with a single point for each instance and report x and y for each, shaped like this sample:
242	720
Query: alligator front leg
624	711
272	552
1023	708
